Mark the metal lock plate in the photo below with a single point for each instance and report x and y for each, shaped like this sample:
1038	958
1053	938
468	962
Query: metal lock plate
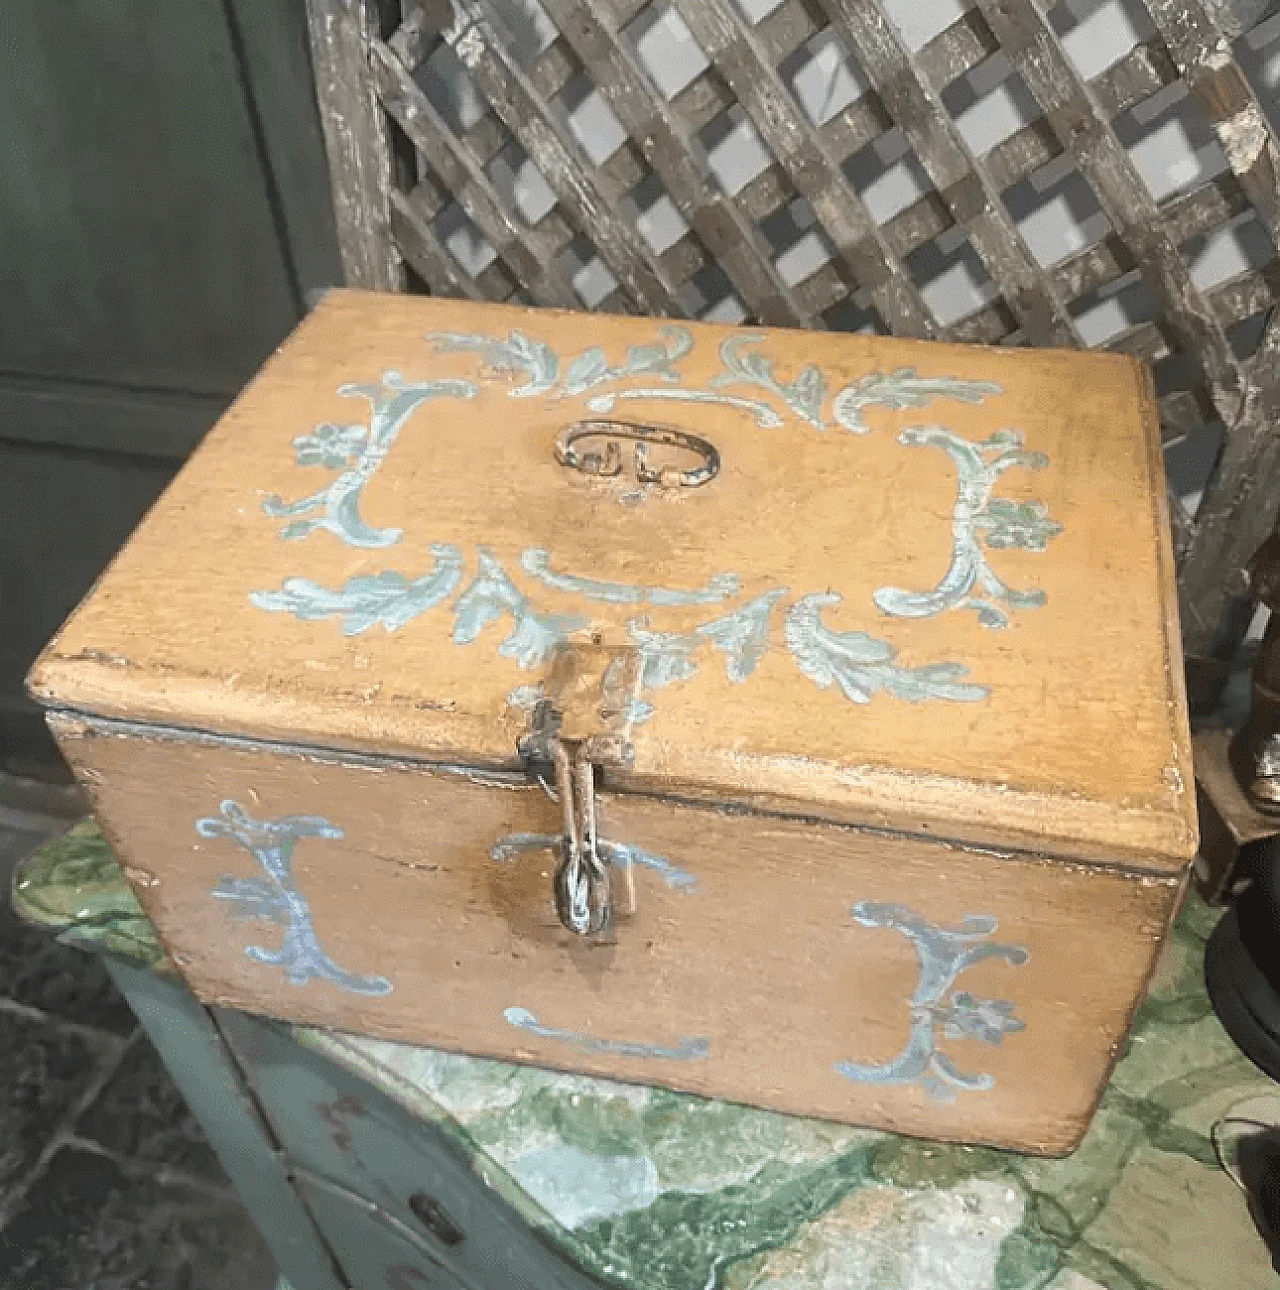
584	722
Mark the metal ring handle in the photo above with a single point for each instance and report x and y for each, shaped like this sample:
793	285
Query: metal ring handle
569	452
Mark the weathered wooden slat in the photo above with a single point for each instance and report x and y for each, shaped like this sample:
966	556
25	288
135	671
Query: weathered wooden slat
824	288
1232	301
494	282
619	13
731	45
1199	50
856	125
485	138
1077	118
917	224
528	256
764	195
620	172
1236	511
355	137
989	325
554	68
702	100
1181	525
1244	296
783	30
957	49
668	147
917	108
555	231
1022	153
1143	340
429	197
1241	499
413	41
1085	271
1182	411
1205	208
707	96
424	254
420	31
685	258
562	162
1185	216
1132	78
1033	302
1143	71
616	302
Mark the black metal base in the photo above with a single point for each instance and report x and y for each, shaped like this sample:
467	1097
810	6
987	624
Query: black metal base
1243	998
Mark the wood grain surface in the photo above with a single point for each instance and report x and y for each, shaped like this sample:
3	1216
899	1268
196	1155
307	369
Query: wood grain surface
1080	749
760	957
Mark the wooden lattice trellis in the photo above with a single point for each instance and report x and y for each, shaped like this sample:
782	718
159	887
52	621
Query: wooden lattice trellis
410	177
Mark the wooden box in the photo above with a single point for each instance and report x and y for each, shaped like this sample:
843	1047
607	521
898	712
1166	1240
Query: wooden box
792	718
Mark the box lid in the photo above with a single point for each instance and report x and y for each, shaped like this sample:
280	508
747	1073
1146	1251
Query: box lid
901	583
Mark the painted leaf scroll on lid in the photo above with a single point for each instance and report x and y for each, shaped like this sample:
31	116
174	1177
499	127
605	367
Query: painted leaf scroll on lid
481	589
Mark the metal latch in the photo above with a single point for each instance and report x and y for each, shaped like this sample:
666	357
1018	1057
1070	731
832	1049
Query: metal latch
583	723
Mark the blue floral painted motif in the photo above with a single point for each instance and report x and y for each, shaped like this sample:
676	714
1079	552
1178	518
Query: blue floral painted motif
357	451
277	898
667	657
978	518
517	355
688	1048
804	395
765	416
387	598
492	594
902	388
743	635
540	364
941	954
861	665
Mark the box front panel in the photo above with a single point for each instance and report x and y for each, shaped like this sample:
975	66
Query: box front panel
825	971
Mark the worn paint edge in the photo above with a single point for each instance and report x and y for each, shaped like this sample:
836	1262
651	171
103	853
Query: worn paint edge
1176	706
1117	1047
67	723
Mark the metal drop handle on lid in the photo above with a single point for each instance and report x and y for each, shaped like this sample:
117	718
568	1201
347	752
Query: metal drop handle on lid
594	448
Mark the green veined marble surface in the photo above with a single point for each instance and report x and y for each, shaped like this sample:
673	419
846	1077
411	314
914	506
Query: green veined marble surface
74	886
663	1191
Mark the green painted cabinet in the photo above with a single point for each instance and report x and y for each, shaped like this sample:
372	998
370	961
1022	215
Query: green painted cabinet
348	1137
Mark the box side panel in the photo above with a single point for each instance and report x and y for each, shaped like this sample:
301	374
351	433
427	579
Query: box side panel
869	978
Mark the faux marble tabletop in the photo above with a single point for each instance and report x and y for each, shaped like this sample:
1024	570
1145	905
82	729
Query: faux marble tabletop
655	1190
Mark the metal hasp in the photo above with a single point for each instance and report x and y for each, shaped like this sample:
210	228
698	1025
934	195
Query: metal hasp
582	723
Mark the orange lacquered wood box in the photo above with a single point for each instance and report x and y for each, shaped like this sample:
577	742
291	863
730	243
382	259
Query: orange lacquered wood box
794	719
